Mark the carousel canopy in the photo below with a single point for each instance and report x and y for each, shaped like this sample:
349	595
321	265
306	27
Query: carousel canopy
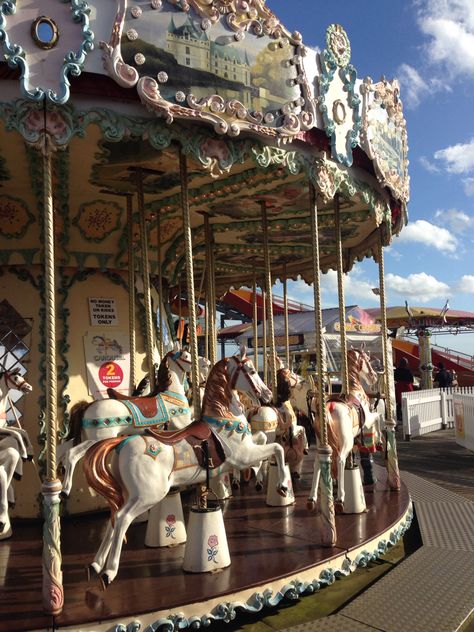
256	112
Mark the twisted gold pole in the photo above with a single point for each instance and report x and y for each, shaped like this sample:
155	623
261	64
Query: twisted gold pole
341	298
255	321
131	294
268	288
328	532
211	289
53	592
390	423
264	334
188	246
285	310
149	339
161	346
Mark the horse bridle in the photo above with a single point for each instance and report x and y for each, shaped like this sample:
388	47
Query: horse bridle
7	376
239	369
176	357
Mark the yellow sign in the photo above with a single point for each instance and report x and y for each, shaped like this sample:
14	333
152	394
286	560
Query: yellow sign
459	419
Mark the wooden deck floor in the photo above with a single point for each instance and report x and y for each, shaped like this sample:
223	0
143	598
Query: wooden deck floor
265	543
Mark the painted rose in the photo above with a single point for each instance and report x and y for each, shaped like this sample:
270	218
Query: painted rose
213	541
171	519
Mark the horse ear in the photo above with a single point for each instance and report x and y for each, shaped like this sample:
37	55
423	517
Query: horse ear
243	352
362	346
176	346
279	362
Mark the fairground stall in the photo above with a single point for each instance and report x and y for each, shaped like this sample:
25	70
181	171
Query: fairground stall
151	152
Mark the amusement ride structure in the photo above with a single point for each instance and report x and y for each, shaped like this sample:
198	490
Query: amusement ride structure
163	150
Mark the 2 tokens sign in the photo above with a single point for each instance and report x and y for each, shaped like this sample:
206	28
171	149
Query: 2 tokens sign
110	374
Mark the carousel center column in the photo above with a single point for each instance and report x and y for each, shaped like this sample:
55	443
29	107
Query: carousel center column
53	592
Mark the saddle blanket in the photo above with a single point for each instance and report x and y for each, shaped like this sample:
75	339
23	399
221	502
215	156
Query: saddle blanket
166	409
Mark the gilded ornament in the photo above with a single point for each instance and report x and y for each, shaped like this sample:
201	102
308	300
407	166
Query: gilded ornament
162	77
136	12
132	35
139	59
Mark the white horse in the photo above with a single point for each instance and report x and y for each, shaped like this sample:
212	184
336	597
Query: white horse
344	422
14	445
105	418
148	466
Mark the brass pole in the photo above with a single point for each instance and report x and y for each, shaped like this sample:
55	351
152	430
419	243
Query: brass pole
255	321
211	290
188	246
328	533
53	592
342	302
149	337
390	423
285	310
161	346
264	335
268	288
131	294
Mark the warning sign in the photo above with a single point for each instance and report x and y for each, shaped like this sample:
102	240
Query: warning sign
103	311
110	374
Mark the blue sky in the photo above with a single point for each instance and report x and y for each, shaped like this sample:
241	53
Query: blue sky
429	46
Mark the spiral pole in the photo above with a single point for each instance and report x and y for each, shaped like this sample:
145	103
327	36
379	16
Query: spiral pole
264	334
53	592
131	294
390	423
328	533
255	321
268	289
161	347
149	337
188	247
285	312
341	297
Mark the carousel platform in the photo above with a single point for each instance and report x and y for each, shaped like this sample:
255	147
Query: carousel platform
274	554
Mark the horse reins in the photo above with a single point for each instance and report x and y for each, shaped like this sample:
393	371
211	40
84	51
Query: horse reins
235	375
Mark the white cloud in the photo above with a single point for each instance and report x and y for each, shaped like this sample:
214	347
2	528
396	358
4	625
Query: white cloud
356	289
413	86
426	233
449	25
459	222
466	284
429	166
420	287
457	158
468	184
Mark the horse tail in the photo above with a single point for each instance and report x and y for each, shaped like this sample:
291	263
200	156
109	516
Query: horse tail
98	475
75	425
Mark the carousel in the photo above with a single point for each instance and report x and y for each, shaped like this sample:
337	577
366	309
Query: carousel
154	155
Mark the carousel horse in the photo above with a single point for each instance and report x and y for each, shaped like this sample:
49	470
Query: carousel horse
101	419
15	445
175	458
349	418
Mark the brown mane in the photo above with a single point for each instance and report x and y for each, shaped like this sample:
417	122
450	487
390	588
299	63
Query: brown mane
163	377
218	394
283	386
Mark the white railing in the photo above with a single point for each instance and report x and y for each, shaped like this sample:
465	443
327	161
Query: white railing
464	420
429	410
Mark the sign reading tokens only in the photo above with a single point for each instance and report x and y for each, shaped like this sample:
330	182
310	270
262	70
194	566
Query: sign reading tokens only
103	311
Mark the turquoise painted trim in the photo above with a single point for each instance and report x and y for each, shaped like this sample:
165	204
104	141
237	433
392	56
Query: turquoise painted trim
73	62
107	422
124	442
227	611
236	425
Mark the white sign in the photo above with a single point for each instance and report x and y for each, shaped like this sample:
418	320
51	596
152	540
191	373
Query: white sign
108	362
103	311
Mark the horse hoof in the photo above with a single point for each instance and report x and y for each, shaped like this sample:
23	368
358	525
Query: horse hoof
5	533
305	451
17	476
105	581
259	487
63	495
310	505
339	507
282	491
30	457
91	573
11	505
296	475
235	484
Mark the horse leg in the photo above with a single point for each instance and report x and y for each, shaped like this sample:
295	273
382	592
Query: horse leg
104	548
256	453
70	460
313	496
5	526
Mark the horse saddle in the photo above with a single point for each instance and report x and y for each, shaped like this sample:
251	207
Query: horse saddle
195	434
351	401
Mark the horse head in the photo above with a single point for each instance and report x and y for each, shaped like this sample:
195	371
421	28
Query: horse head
244	378
13	379
204	368
181	358
361	363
